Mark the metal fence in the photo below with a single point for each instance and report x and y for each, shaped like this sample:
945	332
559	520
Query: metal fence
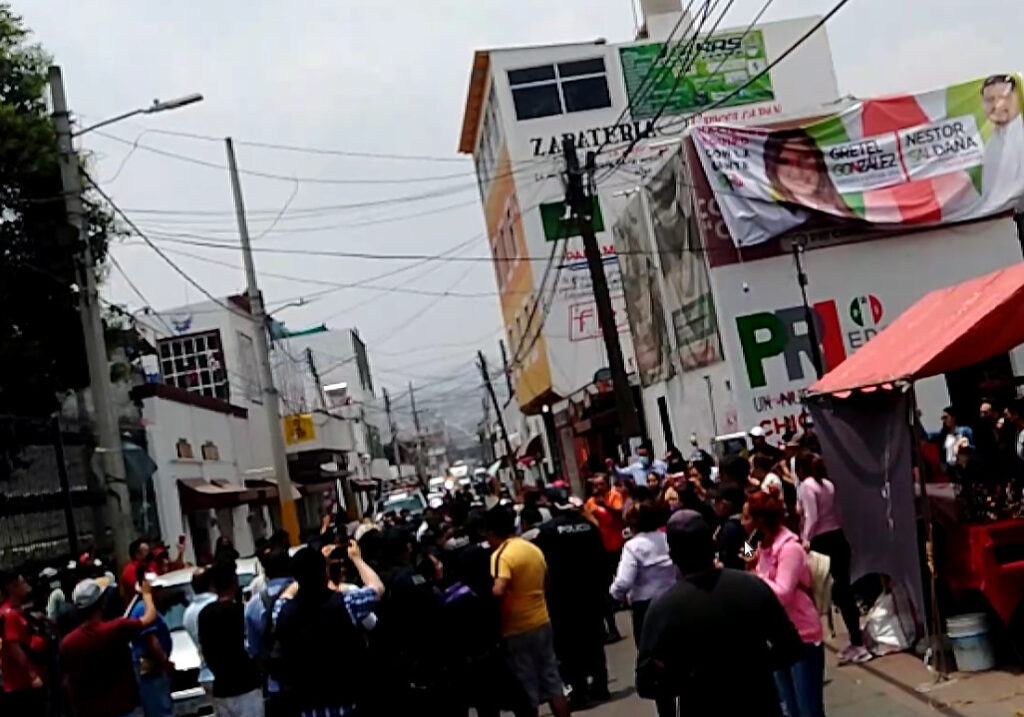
50	498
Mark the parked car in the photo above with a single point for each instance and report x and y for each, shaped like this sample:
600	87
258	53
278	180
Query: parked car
190	699
397	501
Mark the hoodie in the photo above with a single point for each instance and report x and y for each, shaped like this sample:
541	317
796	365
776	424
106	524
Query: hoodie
783	565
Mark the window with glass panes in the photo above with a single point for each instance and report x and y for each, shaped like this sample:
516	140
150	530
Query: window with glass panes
195	363
563	87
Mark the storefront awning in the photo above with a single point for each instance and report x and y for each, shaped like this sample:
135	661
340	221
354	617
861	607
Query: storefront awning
532	448
364	484
267	489
201	494
946	330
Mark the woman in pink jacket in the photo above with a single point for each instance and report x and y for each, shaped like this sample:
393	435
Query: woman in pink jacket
782	563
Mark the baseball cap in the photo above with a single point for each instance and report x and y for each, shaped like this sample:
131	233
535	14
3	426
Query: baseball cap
86	594
757	432
690	539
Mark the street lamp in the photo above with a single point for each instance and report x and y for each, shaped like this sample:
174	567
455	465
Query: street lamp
157	106
118	506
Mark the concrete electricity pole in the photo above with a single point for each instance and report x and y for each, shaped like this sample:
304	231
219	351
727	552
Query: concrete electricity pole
118	515
271	401
581	203
421	464
482	362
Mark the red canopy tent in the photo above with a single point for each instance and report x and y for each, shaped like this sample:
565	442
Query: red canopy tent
947	329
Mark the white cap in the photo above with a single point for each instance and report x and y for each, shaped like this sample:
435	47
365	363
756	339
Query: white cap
86	594
757	432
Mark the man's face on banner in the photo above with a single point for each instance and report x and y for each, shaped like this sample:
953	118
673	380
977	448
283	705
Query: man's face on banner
1001	103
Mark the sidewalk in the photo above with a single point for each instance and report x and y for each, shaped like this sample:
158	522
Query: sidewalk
892	686
900	685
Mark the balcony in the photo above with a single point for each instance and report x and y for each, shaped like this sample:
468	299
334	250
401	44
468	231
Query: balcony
319	432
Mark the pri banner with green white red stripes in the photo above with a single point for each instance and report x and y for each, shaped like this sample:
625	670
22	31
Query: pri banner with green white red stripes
936	157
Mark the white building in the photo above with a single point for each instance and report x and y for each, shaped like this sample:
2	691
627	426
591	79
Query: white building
521	103
206	426
326	373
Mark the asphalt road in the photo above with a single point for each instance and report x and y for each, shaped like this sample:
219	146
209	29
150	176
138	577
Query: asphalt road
849	690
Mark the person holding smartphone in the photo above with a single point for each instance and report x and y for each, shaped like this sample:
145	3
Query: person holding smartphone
95	657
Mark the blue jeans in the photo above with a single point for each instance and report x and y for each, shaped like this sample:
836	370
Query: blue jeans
155	695
802	686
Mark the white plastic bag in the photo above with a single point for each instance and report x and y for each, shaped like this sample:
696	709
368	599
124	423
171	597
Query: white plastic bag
889	625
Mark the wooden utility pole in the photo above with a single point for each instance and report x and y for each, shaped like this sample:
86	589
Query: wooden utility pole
581	200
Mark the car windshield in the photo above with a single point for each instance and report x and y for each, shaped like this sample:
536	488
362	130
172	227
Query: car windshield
245	579
173	602
411	503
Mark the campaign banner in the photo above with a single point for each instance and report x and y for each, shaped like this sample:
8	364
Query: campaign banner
724	69
943	156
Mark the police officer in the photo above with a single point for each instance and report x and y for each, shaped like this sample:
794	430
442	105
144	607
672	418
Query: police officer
576	596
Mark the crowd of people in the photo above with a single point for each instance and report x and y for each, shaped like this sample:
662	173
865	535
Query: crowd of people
482	603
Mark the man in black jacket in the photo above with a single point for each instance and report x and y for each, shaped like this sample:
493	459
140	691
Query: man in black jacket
577	591
714	638
730	536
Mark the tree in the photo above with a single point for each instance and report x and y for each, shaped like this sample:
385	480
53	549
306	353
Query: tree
42	349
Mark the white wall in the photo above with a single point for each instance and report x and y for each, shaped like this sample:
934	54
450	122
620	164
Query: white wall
897	271
335	358
689	407
166	423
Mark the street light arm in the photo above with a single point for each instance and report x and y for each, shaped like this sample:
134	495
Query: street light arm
157	106
105	122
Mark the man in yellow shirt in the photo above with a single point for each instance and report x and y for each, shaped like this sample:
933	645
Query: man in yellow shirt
520	575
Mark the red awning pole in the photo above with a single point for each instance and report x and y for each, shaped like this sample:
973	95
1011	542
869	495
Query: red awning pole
938	653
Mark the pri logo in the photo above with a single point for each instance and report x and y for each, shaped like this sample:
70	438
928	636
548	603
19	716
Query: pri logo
782	334
866	311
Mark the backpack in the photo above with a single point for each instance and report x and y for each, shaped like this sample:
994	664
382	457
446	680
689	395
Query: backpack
820	588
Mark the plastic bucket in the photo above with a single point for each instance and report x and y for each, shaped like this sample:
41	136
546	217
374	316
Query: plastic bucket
972	647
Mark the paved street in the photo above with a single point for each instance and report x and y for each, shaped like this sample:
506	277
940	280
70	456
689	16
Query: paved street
853	691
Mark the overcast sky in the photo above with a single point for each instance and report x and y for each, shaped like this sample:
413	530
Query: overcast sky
384	76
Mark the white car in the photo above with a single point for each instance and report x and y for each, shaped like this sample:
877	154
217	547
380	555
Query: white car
190	699
411	500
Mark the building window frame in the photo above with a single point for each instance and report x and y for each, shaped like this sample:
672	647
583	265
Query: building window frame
195	362
565	73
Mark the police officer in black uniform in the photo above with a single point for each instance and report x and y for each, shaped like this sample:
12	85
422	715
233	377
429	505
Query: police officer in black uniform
576	596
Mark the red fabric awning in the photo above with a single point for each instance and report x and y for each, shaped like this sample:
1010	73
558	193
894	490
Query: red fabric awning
946	330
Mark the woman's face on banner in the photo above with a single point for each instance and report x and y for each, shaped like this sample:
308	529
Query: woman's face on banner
798	170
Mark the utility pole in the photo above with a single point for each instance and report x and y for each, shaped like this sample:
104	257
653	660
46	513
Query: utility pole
316	379
508	374
420	463
810	315
580	200
118	504
271	400
394	434
501	418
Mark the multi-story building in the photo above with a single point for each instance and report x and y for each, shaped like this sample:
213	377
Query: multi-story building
629	103
206	427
